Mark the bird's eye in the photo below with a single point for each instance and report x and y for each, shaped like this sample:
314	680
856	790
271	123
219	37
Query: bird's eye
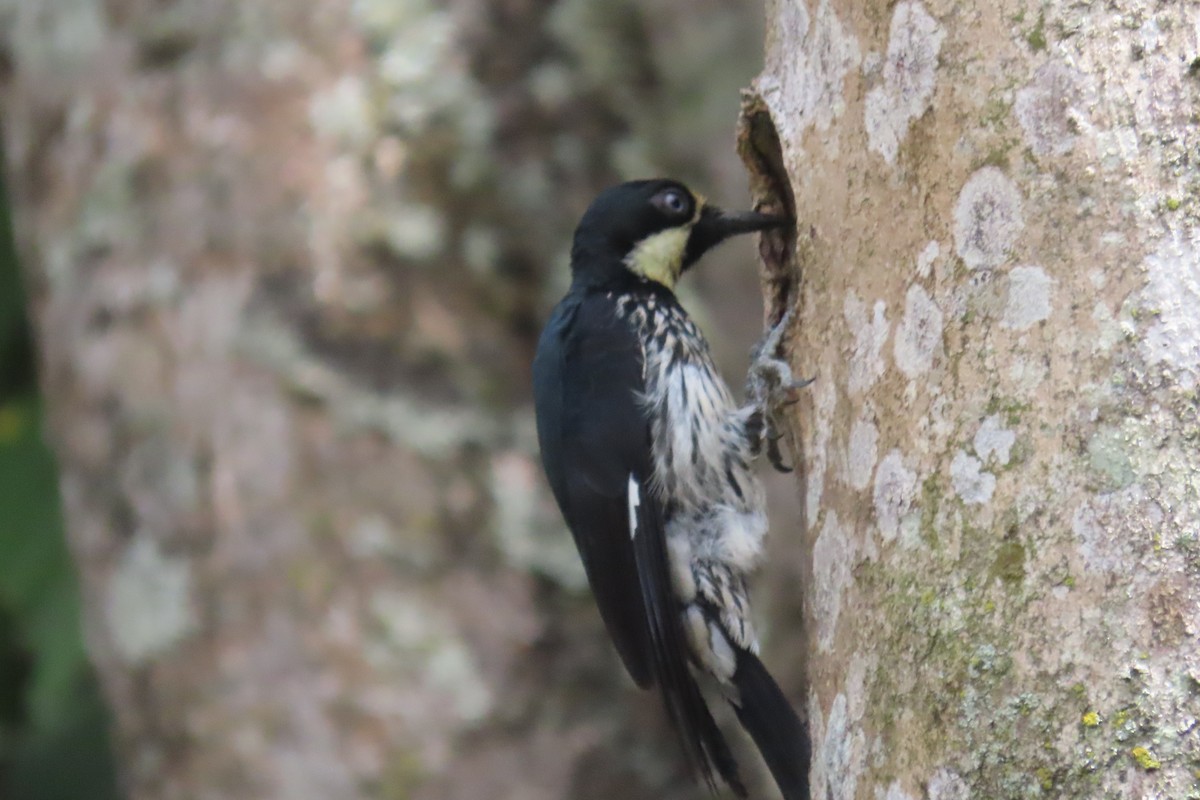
674	202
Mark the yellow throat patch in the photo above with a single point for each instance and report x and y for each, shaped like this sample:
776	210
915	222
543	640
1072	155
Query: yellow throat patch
660	257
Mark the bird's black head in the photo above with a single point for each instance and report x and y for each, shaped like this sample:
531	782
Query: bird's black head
654	229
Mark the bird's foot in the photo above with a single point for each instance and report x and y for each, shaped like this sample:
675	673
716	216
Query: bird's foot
772	388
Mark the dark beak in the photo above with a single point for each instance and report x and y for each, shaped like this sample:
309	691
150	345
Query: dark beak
715	226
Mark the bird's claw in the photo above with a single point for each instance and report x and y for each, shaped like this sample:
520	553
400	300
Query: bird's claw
772	388
774	455
791	392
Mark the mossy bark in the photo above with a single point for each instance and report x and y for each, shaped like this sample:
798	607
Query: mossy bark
997	279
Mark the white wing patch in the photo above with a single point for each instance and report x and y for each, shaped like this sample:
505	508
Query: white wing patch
635	500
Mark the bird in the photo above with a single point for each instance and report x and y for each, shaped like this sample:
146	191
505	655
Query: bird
650	461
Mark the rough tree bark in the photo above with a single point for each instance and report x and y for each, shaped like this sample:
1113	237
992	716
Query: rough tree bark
288	263
997	278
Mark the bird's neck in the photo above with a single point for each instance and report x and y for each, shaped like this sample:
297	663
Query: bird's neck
600	270
594	265
619	280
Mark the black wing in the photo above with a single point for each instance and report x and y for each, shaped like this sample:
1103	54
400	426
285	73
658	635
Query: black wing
595	442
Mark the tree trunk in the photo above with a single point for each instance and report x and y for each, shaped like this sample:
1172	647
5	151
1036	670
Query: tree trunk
997	284
289	261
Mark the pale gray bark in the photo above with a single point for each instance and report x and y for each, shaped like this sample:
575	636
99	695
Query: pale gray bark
288	262
998	272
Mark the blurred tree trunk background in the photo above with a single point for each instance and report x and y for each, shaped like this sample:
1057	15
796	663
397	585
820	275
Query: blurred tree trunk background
998	285
287	263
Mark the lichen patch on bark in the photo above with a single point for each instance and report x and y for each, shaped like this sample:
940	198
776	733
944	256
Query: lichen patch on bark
893	496
1171	335
833	557
861	450
870	333
1030	293
919	335
987	219
908	80
807	81
1048	109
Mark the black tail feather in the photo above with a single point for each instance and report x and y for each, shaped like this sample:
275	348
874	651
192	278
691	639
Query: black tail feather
716	750
702	740
779	734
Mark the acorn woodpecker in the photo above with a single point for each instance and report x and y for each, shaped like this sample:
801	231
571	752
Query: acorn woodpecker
649	458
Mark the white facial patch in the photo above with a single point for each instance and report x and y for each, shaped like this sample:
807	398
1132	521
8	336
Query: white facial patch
660	257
